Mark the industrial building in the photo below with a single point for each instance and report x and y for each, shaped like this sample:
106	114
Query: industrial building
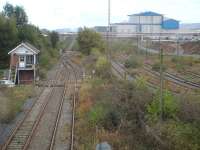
145	22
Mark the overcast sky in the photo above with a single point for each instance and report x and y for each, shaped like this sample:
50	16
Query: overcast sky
54	14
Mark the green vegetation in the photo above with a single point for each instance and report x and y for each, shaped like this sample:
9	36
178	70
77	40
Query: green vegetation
170	107
111	110
188	61
103	67
12	99
17	13
181	136
54	37
89	39
8	38
156	67
14	29
125	46
132	62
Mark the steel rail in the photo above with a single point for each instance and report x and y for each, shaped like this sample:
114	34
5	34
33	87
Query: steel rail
175	78
59	111
33	125
20	123
74	104
40	115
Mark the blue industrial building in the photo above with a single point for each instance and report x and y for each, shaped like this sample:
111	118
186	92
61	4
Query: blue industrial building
170	24
147	13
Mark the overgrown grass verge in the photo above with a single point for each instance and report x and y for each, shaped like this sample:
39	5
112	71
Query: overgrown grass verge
12	100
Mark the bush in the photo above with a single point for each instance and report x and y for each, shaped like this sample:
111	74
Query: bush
170	106
111	120
141	83
103	67
188	61
132	62
96	114
156	67
180	67
189	108
88	39
182	136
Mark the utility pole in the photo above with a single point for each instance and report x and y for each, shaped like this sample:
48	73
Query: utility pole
161	82
108	32
177	45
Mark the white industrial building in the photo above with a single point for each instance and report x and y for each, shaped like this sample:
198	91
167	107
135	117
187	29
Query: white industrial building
145	22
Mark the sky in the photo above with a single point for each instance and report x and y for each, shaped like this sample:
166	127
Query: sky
55	14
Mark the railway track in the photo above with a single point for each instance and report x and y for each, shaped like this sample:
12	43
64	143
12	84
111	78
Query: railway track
77	75
194	74
22	135
172	77
24	130
123	73
58	116
173	80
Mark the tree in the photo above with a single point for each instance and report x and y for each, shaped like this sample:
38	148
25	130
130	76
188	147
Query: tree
54	37
8	10
16	12
89	39
20	15
28	33
8	39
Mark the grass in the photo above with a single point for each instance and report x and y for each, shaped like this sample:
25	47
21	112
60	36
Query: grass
12	100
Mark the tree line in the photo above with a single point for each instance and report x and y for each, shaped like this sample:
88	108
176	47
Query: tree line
14	29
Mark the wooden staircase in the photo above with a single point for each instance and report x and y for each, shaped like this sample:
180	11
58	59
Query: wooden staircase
13	74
